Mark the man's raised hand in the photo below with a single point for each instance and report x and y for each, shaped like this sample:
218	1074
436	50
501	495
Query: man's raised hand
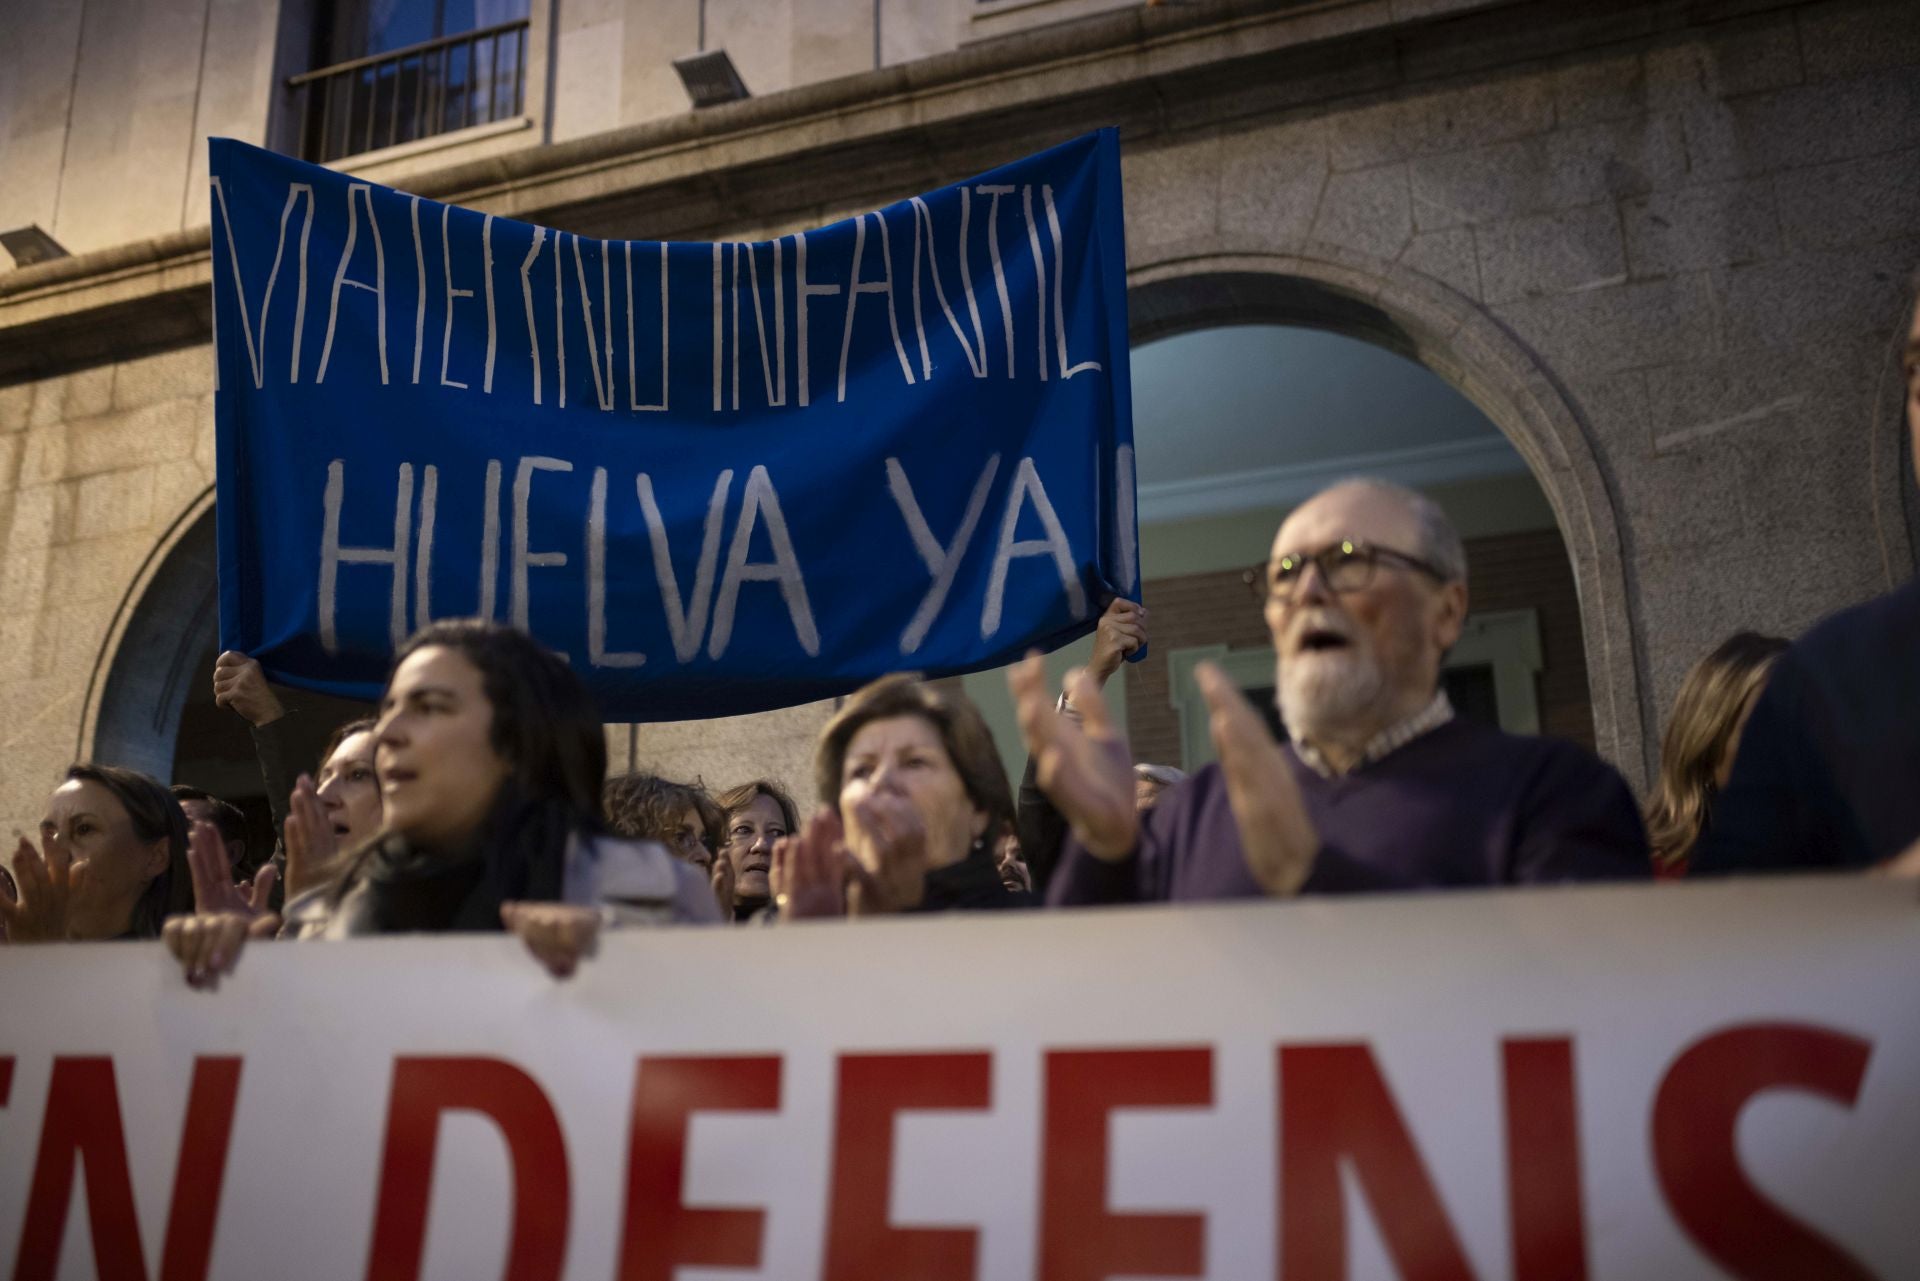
1083	768
1122	631
1275	833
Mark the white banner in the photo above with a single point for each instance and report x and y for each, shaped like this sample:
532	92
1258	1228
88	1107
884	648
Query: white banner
1652	1082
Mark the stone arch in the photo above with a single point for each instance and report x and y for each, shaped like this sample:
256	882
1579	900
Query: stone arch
1334	288
167	617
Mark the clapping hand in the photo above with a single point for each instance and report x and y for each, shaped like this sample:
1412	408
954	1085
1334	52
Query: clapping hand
1083	768
36	912
723	883
311	845
810	870
1275	833
889	856
213	887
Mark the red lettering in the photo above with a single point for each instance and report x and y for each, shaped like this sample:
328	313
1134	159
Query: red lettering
1543	1161
661	1233
1694	1115
1334	1106
873	1089
83	1121
423	1088
1080	1239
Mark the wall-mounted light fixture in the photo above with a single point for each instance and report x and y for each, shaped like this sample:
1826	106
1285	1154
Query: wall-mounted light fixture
30	245
710	78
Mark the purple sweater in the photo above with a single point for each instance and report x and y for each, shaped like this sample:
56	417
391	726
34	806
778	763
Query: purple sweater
1461	805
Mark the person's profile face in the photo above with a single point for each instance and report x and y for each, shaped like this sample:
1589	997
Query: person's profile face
439	773
350	790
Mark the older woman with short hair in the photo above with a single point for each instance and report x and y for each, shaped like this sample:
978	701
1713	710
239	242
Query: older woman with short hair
914	795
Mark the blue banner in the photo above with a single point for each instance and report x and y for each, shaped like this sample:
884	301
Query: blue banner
720	478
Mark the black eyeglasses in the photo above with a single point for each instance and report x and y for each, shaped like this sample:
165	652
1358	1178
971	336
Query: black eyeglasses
1347	566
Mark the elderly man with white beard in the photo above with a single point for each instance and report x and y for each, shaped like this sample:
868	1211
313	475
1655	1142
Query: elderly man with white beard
1380	786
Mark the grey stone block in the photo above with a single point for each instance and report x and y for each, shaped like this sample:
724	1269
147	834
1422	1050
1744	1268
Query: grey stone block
1832	120
1440	120
1681	502
173	375
1709	406
113	502
12	447
98	568
1591	88
151	434
1447	256
1845	40
1802	304
1568	168
17	634
1724	61
1551	253
1172	192
16	403
1369	210
23	579
177	486
1622	327
1713	225
42	515
44	458
1852	202
1271	179
48	397
88	392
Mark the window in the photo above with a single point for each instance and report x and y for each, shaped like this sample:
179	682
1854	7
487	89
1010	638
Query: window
394	71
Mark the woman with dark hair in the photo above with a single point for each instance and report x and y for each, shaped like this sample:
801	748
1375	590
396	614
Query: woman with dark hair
1696	754
914	796
491	757
110	865
758	815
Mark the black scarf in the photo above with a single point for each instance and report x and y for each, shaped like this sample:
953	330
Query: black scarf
520	853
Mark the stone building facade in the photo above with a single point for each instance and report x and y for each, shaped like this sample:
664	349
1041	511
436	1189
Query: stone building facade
1665	247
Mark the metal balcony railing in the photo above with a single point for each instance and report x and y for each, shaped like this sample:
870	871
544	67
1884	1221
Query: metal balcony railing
430	88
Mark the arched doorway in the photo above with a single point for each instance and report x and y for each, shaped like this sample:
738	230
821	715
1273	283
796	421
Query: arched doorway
1415	317
150	704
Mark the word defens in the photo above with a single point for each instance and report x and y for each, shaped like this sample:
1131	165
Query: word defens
1335	1111
705	610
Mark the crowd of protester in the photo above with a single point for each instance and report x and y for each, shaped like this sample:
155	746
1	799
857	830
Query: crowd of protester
477	799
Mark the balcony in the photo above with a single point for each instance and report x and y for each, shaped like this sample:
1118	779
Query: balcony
423	90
